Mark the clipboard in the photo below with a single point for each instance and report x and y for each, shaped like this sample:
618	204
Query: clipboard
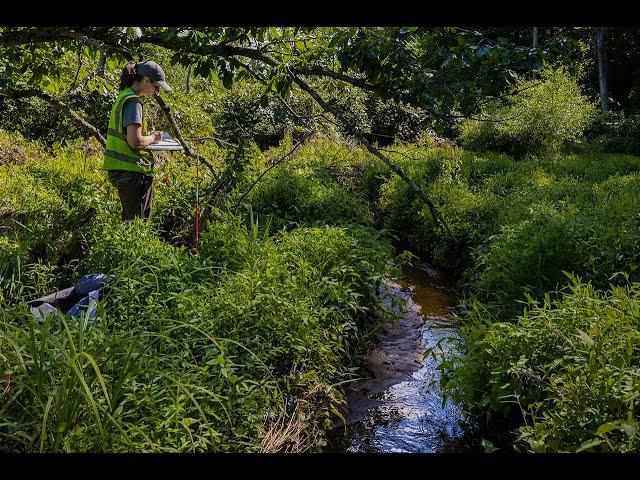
168	143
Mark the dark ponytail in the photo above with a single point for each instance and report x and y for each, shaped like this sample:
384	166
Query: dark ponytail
129	75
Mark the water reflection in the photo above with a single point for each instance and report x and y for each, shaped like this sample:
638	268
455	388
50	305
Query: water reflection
409	414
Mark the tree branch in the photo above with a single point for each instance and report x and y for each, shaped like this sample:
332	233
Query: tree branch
188	82
125	52
506	94
15	94
216	139
75	79
14	37
258	77
97	72
11	37
278	161
395	168
187	148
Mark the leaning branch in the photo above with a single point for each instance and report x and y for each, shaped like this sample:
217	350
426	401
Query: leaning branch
30	36
23	36
396	169
188	150
215	139
75	79
16	94
262	80
502	96
98	72
277	162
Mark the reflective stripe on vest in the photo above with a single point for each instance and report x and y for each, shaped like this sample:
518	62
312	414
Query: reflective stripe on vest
118	154
116	133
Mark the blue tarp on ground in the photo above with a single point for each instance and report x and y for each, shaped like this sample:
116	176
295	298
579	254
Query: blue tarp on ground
74	301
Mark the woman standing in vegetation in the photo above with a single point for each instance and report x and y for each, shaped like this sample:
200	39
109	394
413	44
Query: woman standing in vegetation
129	167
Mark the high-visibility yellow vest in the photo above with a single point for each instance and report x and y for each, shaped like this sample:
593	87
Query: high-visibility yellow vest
119	155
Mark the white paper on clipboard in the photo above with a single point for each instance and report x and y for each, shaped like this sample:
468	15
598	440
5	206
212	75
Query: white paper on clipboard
167	143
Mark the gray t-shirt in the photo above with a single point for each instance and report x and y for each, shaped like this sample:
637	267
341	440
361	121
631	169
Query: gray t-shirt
131	113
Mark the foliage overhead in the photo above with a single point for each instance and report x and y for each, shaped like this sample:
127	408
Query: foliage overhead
438	69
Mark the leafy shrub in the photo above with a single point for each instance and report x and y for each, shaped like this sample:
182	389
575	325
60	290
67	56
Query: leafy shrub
472	216
540	118
188	352
391	123
47	204
528	257
568	366
181	339
438	172
517	225
246	111
321	184
382	122
585	230
294	197
36	119
614	132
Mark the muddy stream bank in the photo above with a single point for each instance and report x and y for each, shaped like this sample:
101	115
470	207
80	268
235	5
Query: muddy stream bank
399	408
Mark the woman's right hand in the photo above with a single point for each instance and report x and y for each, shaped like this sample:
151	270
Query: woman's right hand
137	140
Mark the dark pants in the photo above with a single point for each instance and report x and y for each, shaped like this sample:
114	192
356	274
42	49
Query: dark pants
135	191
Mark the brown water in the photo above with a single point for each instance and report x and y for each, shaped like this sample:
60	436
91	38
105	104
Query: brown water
399	407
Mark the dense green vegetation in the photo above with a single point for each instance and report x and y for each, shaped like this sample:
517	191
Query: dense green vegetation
245	344
541	118
523	225
566	369
189	353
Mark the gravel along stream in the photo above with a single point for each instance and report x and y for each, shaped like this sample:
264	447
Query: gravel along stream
399	408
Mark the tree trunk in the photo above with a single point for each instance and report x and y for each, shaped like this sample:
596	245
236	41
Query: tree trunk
534	44
602	67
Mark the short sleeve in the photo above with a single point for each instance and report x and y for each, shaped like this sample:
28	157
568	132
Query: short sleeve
131	113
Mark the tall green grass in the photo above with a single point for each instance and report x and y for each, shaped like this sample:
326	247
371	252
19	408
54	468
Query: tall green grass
243	347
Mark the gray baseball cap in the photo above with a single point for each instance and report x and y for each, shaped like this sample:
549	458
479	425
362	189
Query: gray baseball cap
154	72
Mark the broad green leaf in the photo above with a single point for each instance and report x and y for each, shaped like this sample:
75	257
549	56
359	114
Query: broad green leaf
607	427
585	338
487	446
589	444
629	429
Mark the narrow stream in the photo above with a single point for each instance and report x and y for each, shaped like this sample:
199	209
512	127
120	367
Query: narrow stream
400	408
